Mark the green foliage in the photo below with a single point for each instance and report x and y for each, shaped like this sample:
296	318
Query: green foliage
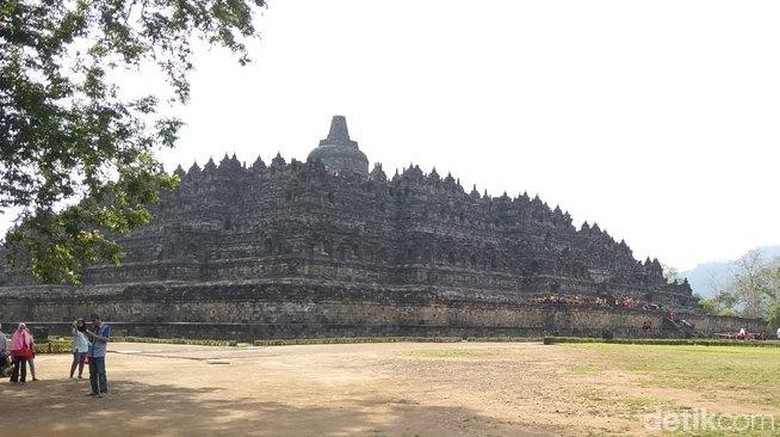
54	346
65	345
77	154
773	316
504	339
354	340
709	305
722	304
189	341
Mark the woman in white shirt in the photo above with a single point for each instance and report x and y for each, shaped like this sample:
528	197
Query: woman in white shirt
80	346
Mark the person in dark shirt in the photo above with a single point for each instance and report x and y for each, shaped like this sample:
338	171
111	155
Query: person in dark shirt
98	336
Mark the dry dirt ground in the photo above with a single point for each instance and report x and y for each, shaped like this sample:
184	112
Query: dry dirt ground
409	389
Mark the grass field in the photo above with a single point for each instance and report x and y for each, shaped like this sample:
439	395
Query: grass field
741	384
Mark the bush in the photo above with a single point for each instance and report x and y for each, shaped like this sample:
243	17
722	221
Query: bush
504	339
350	340
55	345
665	341
189	341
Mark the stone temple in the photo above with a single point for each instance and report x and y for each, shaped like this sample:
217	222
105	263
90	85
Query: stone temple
328	248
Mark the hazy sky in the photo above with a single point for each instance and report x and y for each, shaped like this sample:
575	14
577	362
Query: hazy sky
659	120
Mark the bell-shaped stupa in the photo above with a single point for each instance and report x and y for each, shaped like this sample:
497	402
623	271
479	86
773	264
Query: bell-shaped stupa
338	152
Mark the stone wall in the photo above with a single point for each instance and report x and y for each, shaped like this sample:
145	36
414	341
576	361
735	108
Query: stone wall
288	308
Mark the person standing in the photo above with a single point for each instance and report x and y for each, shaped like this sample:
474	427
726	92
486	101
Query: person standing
21	351
99	336
778	333
4	355
80	347
4	341
31	360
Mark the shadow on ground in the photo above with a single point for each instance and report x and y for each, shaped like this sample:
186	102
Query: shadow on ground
61	408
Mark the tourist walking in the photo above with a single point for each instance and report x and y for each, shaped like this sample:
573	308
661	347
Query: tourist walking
99	336
80	347
21	352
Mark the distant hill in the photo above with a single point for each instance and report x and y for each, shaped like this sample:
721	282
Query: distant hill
705	278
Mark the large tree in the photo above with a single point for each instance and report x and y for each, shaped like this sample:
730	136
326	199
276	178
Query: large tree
754	284
752	290
77	155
